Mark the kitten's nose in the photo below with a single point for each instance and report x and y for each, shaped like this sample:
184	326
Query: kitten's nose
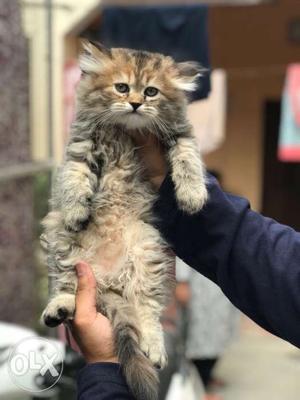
135	106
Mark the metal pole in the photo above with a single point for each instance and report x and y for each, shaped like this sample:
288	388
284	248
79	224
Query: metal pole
49	25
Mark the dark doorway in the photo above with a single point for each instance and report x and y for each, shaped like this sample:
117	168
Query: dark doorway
281	181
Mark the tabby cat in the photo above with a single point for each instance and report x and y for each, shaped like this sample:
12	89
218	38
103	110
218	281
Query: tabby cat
101	207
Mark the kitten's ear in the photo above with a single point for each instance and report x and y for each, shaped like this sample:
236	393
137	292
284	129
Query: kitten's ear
93	56
188	73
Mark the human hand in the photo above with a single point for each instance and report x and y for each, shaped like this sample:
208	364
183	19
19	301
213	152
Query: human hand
91	330
152	155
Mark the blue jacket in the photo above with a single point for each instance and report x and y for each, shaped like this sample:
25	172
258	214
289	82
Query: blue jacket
254	260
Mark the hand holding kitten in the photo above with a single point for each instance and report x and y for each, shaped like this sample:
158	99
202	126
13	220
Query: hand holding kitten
91	330
153	158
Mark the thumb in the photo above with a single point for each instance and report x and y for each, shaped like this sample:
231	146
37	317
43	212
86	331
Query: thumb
86	291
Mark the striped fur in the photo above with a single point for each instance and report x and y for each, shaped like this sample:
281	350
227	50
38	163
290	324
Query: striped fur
101	207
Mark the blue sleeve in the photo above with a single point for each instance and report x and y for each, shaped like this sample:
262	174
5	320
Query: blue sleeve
254	259
102	381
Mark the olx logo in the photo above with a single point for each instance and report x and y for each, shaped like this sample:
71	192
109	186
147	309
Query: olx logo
31	360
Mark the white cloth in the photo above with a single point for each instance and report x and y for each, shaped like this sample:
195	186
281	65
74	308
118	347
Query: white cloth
188	386
212	319
208	116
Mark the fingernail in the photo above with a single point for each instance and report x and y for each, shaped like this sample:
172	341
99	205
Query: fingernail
80	269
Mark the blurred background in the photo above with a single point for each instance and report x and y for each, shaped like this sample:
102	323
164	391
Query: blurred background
246	116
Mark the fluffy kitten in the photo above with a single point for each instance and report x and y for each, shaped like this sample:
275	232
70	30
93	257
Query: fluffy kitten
101	203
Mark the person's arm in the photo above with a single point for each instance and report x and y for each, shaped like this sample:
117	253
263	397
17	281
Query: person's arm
254	259
101	378
102	381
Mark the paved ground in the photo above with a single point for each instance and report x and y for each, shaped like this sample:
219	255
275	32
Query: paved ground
260	367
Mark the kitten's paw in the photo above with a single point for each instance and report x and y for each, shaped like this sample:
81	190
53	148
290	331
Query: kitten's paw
78	218
191	196
155	351
59	309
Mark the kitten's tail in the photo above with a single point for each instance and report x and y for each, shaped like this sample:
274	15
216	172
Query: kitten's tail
138	370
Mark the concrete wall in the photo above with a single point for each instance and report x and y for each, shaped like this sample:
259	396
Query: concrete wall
18	297
68	17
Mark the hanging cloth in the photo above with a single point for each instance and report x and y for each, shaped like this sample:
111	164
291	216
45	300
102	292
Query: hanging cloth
289	133
208	116
178	31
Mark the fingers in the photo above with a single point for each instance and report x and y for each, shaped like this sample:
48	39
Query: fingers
152	155
86	293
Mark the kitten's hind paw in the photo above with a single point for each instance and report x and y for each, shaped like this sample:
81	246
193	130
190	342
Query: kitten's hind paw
60	316
77	219
58	310
191	196
156	352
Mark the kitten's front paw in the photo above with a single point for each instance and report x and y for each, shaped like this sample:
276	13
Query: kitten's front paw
191	196
59	309
78	218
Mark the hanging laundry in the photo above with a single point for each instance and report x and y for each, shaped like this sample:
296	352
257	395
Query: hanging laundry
289	133
208	116
294	90
179	31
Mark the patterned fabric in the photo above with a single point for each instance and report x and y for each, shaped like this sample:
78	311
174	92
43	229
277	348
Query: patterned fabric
213	320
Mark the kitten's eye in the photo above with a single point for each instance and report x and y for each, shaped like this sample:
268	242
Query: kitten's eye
122	87
151	91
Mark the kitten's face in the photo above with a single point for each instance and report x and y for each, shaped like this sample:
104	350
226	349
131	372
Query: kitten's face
133	88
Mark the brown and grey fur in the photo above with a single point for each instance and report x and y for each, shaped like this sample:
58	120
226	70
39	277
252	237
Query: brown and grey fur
102	202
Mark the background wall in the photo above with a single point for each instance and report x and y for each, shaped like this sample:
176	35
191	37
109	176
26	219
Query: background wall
242	41
252	44
68	17
16	195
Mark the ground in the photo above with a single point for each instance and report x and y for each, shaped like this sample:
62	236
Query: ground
259	366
